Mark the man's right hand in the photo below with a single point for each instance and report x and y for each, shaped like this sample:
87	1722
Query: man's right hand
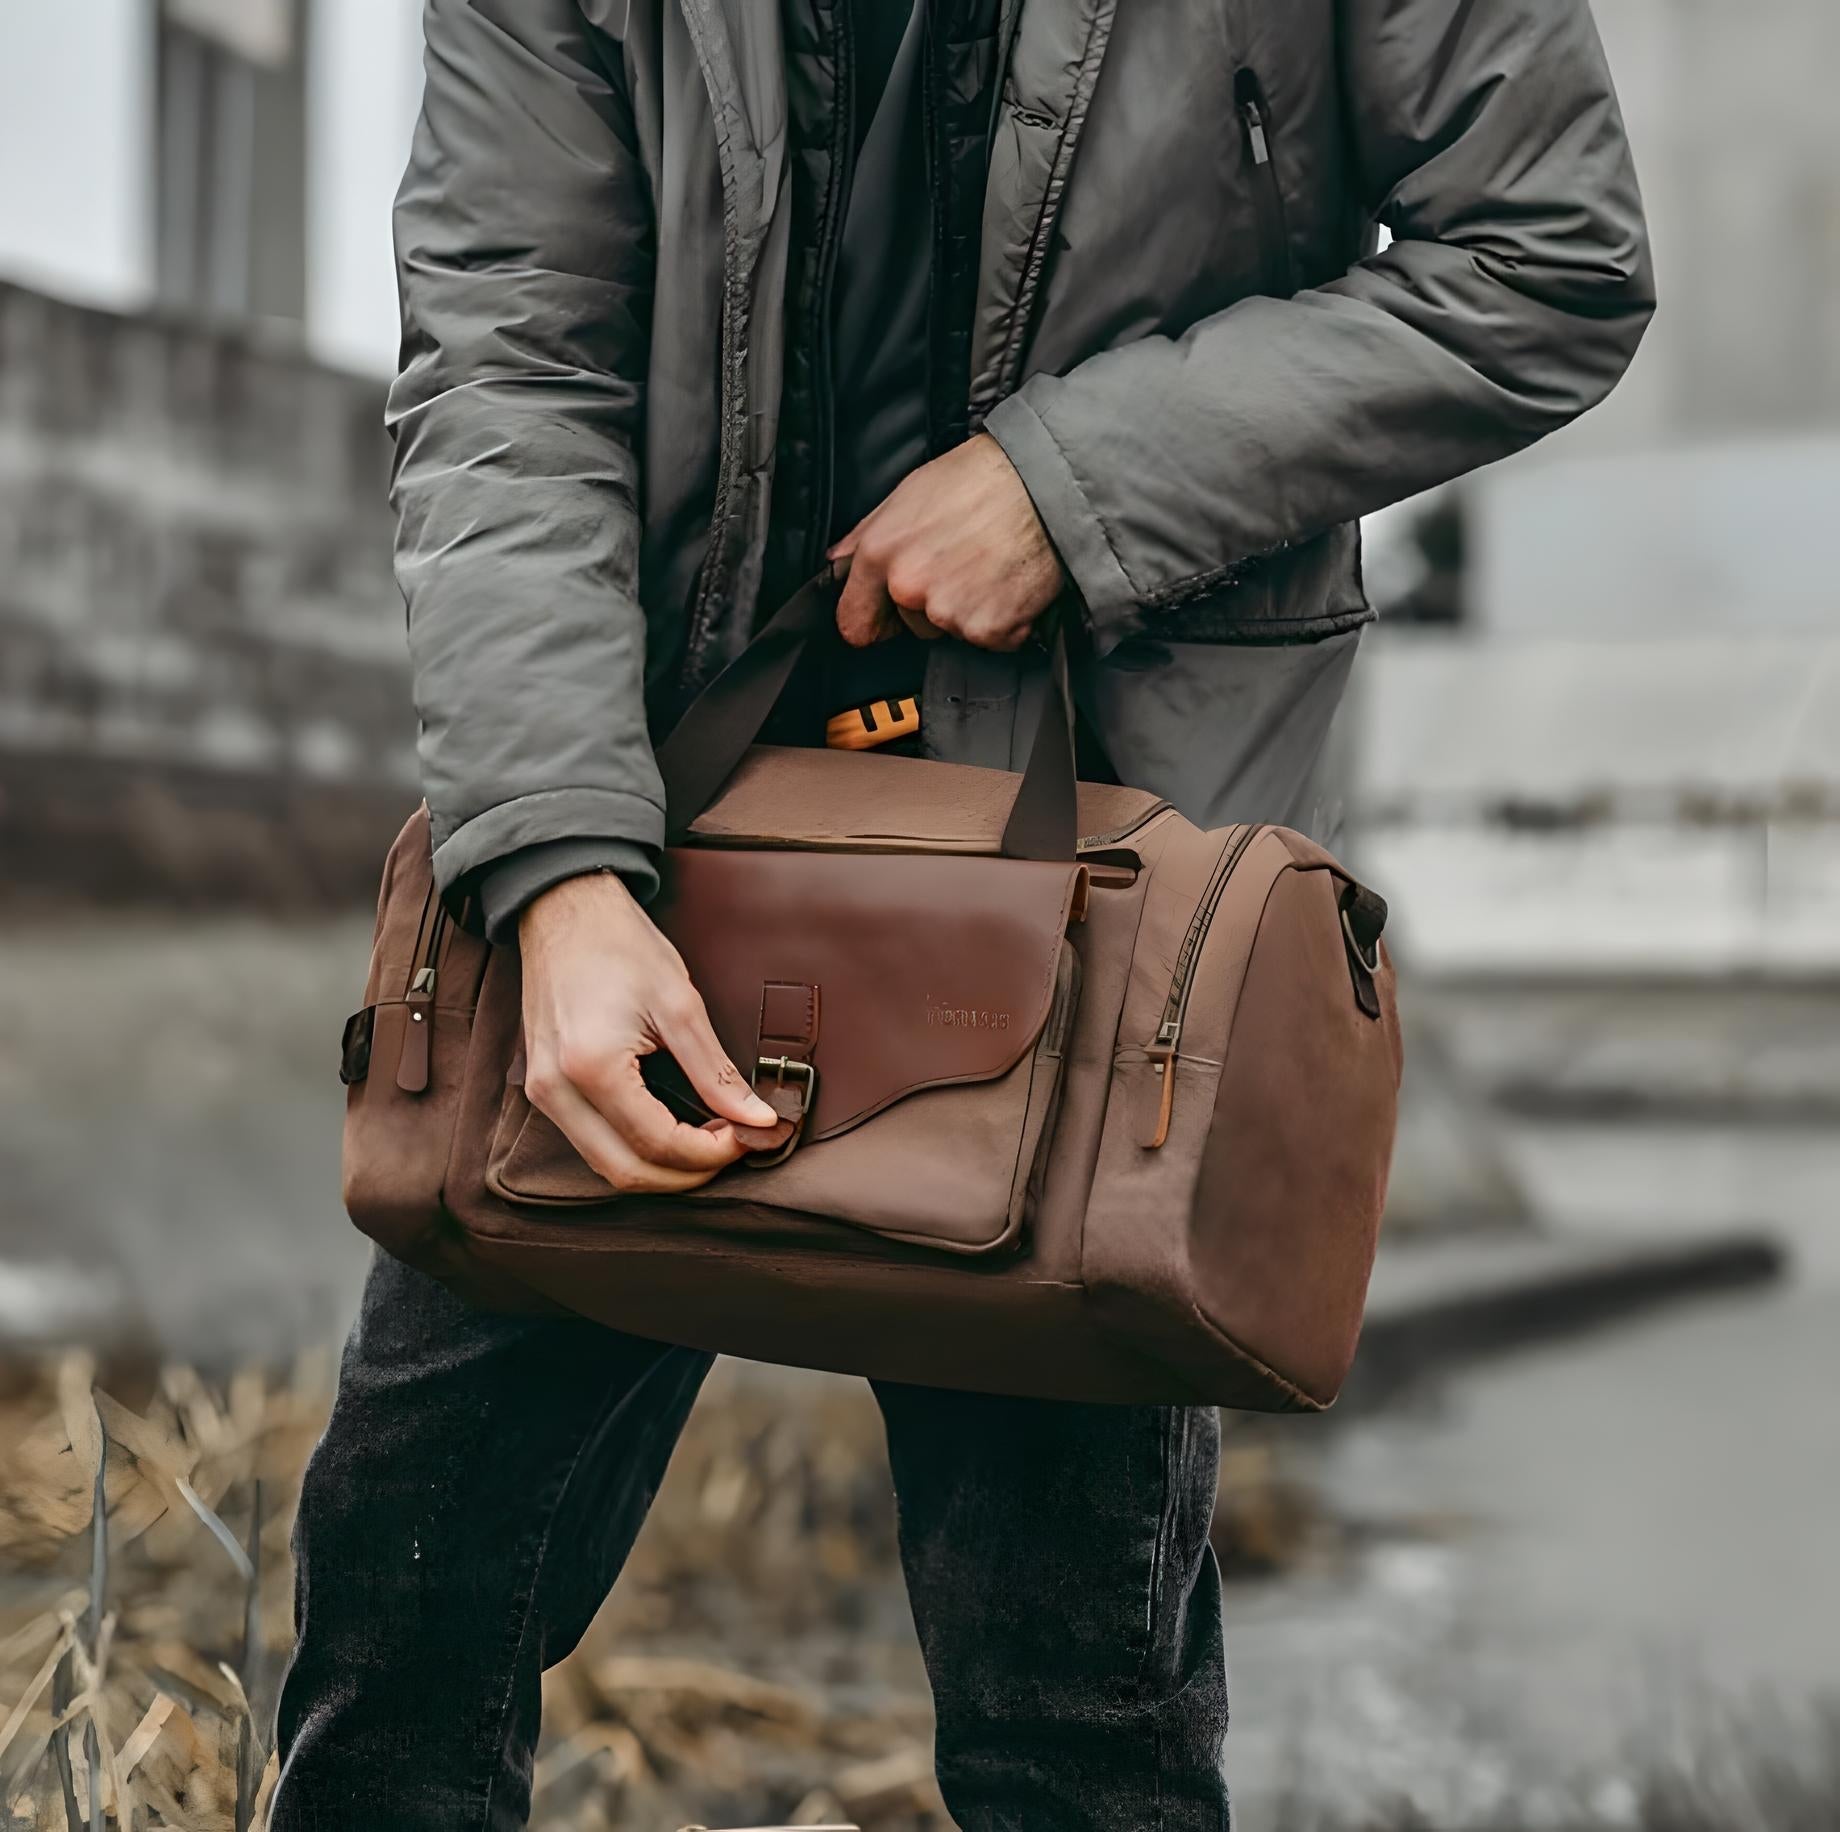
603	989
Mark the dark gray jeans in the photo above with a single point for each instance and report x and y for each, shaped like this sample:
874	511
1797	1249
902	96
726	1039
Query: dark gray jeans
483	1478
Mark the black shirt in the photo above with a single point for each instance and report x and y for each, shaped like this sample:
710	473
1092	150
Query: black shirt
884	259
879	315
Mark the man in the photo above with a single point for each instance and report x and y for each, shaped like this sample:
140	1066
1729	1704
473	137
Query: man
1008	303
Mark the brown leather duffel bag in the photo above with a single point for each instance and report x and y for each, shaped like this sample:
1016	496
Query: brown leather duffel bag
1102	1118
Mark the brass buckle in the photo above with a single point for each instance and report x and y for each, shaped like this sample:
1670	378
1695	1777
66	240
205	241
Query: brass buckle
803	1076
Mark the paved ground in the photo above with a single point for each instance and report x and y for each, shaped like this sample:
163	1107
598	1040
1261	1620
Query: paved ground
169	1112
1576	1557
1565	1556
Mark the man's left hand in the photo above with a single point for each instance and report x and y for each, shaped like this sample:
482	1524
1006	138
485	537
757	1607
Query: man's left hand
956	550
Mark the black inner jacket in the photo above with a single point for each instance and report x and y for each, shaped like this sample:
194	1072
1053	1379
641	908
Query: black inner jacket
865	329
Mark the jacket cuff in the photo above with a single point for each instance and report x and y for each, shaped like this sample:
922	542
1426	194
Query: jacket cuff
1112	609
509	885
465	849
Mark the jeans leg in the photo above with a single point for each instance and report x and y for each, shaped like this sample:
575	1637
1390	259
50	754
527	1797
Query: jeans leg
1068	1606
480	1483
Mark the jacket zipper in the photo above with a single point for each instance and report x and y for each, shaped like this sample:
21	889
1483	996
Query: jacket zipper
1163	1047
736	437
824	382
1268	198
936	441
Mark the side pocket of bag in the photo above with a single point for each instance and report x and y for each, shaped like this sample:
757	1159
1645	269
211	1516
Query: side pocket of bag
404	1058
1166	1075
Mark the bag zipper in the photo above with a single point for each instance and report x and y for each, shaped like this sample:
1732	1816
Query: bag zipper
412	1060
1102	842
1268	199
1163	1047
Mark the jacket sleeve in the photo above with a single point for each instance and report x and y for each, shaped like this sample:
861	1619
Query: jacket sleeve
1488	139
524	246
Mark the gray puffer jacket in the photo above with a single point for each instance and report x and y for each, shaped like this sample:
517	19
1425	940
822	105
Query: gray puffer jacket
1174	318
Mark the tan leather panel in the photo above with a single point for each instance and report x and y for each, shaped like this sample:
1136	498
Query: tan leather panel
990	1327
1294	1157
867	800
1105	941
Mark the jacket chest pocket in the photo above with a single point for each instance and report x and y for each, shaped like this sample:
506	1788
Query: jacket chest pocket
1277	261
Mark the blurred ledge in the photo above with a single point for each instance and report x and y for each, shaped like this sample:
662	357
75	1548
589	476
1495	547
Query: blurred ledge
1567	808
203	689
1697	727
1614	1104
1635	902
1439	1305
113	832
1752	1054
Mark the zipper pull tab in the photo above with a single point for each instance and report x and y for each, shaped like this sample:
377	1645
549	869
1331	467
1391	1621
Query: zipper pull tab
1162	1054
418	1022
1254	117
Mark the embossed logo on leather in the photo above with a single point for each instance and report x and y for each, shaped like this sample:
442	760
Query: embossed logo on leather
946	1016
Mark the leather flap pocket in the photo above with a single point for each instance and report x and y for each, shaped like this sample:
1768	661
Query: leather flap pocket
893	977
919	972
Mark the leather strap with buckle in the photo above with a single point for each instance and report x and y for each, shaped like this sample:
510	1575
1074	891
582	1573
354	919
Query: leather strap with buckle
790	1078
784	1075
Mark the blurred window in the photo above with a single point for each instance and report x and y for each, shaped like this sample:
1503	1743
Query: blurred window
231	158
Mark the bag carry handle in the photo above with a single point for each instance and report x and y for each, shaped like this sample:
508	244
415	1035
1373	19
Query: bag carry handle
707	744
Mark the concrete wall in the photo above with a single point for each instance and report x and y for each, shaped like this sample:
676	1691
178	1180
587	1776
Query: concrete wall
202	683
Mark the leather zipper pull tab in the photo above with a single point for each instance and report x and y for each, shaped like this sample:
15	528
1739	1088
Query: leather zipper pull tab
1162	1054
418	1023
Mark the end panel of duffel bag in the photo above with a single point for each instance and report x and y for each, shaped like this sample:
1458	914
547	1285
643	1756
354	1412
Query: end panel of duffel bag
403	1060
1236	1206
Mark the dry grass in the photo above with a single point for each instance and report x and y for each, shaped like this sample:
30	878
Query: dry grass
139	1669
774	1531
136	1662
